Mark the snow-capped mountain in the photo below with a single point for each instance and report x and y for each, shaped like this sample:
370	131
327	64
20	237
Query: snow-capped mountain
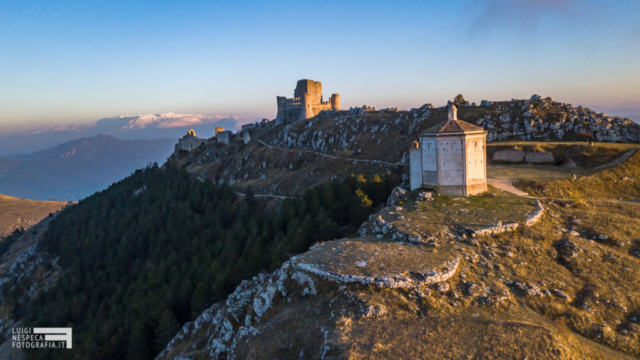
149	126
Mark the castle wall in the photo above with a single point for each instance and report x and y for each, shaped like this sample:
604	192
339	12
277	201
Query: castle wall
188	143
307	87
223	137
306	103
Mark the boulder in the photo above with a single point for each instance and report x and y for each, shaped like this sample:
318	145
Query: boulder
509	155
397	194
536	97
539	157
519	156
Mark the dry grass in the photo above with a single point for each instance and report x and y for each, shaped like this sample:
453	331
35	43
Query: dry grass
438	217
435	323
15	213
367	257
619	182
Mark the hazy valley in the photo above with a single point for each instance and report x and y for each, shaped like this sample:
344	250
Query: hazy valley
78	168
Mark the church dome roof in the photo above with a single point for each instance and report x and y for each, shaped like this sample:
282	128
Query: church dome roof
453	126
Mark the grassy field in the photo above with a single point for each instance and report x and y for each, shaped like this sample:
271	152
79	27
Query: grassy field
532	298
589	159
368	257
438	217
619	182
15	213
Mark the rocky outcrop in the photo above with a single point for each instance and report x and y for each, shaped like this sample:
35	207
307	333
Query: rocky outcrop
536	216
224	325
519	156
412	280
219	330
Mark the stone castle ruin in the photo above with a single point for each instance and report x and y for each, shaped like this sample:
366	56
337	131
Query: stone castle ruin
450	157
189	142
306	103
223	136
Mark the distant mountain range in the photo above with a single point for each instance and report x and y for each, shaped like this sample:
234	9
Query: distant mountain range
150	126
629	109
78	168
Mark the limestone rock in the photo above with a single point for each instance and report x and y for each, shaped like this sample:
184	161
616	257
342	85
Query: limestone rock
397	194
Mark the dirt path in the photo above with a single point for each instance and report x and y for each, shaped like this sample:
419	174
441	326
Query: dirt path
266	195
624	157
333	157
505	185
570	162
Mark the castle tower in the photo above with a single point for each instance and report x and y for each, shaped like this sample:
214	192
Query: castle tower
450	157
282	104
306	111
306	103
335	102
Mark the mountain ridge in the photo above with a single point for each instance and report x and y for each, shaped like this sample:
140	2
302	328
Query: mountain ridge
77	168
146	126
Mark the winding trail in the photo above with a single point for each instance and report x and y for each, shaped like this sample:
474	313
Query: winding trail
624	157
331	156
265	195
505	185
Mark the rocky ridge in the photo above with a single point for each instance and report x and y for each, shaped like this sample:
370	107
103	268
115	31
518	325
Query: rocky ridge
298	156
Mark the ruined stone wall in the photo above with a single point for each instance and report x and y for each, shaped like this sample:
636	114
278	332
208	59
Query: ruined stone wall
188	143
223	137
306	103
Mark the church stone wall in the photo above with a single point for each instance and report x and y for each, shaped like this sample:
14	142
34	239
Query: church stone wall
476	169
429	161
450	157
415	166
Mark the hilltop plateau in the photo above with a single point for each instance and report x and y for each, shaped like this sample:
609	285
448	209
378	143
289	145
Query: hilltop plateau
20	213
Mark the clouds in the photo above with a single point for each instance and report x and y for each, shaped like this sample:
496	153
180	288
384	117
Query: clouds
169	121
518	14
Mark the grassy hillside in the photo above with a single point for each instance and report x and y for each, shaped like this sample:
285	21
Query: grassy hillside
78	168
305	153
149	253
618	182
20	213
553	290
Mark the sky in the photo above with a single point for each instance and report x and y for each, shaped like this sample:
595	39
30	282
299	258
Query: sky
64	62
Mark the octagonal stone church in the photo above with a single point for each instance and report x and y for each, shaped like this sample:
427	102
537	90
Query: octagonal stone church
450	157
